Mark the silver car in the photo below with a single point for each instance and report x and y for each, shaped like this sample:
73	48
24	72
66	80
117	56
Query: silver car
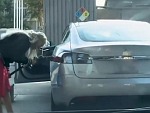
101	58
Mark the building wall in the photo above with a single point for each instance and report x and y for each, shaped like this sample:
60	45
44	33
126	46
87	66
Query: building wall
108	13
140	14
59	13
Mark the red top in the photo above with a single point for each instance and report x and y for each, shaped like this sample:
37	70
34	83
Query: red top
4	80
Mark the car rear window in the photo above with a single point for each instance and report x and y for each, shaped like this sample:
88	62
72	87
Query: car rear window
107	33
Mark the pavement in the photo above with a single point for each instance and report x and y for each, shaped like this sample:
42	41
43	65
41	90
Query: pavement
31	98
35	97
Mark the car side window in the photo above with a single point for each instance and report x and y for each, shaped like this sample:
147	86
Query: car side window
66	37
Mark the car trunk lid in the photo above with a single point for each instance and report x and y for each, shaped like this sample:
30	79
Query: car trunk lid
122	60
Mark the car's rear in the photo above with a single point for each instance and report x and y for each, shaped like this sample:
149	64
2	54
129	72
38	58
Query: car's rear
106	58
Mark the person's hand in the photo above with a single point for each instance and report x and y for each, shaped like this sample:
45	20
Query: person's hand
32	61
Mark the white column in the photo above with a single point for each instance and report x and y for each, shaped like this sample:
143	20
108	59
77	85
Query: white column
14	13
22	14
19	13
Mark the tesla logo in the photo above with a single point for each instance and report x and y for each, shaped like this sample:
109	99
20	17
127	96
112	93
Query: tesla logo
126	53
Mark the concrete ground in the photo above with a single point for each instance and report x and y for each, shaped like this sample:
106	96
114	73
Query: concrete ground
32	97
35	97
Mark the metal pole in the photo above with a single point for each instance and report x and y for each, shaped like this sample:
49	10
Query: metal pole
22	14
14	13
17	15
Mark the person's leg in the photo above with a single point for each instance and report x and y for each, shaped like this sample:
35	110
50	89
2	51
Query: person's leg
7	102
1	111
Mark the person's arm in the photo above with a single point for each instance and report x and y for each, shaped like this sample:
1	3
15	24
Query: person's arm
22	60
7	62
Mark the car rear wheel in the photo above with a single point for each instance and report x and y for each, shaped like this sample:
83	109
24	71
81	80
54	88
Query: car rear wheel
55	107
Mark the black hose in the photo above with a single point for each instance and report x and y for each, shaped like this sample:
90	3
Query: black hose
15	71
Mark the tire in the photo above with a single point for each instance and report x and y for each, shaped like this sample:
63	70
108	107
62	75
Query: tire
55	107
12	93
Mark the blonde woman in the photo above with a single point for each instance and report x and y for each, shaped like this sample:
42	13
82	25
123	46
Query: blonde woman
21	47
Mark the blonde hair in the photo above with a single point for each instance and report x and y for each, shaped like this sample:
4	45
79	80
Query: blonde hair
35	37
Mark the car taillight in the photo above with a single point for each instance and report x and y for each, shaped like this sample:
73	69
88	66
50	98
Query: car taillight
81	58
77	58
74	58
57	59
